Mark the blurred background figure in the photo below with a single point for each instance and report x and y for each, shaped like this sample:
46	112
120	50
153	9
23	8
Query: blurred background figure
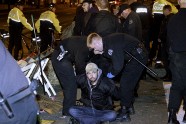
163	42
46	25
157	12
16	21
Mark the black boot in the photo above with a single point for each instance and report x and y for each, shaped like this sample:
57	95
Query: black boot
123	115
172	117
131	110
184	118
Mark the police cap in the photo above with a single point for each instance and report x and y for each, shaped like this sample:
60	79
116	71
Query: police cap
123	7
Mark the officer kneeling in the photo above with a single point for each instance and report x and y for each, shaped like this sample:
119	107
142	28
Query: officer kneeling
17	103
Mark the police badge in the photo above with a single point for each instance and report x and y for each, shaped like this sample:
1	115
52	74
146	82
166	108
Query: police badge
110	51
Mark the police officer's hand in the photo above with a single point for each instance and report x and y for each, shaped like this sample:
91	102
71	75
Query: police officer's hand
110	75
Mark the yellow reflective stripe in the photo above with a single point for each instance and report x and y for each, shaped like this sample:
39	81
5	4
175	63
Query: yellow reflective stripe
14	19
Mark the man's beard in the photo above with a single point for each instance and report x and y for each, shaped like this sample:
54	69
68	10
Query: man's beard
92	80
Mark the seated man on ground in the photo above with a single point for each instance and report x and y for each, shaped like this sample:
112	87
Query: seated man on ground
97	94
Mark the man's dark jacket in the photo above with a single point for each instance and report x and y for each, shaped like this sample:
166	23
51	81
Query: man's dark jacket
103	23
100	94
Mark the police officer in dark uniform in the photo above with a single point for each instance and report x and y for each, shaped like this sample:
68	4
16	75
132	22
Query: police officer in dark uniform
46	25
16	20
70	52
132	24
146	18
177	53
157	11
117	48
15	93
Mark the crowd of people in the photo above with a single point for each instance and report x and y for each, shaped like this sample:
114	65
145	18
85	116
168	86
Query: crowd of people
108	45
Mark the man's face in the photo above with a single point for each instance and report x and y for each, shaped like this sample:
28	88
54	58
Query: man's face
21	7
86	6
92	76
96	46
166	12
124	14
54	9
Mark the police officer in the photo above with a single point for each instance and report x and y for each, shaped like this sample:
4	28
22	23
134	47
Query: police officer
16	21
46	25
15	93
177	53
163	40
145	17
132	24
119	47
157	12
70	52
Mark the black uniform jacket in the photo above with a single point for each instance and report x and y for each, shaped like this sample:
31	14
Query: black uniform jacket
132	26
115	46
144	14
98	96
176	31
103	23
78	52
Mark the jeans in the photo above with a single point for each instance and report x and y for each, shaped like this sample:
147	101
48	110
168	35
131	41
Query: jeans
87	115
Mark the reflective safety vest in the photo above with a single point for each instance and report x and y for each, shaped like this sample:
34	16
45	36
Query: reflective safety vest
16	15
159	4
50	17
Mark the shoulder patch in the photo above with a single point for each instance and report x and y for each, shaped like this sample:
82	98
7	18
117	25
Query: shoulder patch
130	21
110	51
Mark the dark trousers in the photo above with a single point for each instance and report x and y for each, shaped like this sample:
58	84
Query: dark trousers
87	115
25	112
15	41
178	88
165	59
130	76
154	35
66	76
46	39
